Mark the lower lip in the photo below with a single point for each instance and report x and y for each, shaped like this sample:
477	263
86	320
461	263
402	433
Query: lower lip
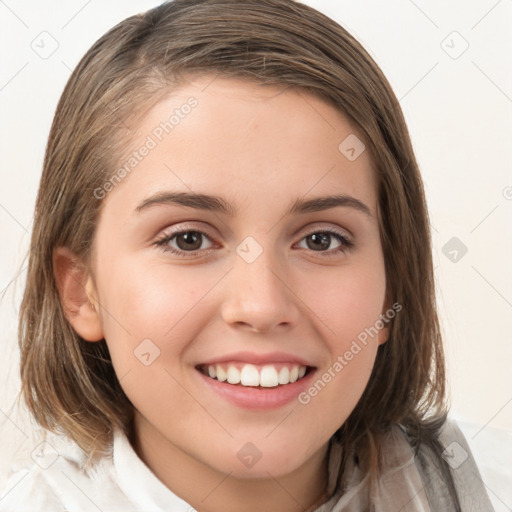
251	397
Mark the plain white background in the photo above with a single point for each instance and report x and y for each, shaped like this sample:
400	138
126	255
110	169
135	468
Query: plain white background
450	66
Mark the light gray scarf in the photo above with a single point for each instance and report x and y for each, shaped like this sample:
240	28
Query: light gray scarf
410	483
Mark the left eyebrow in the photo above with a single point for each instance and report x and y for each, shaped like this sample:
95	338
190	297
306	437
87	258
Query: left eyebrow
220	205
318	204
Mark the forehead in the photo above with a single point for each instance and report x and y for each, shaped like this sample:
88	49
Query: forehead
244	139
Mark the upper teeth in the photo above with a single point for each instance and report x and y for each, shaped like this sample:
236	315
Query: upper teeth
250	375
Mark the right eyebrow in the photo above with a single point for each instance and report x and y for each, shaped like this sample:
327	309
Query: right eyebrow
191	200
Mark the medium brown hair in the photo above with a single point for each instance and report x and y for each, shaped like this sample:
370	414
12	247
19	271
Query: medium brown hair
69	384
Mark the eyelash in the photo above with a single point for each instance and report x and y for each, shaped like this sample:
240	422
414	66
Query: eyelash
162	242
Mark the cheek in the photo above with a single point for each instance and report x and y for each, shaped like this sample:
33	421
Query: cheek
349	307
158	303
150	300
151	315
348	301
335	392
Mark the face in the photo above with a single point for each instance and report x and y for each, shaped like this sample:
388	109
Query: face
216	258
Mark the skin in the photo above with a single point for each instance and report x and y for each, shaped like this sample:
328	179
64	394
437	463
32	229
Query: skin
260	148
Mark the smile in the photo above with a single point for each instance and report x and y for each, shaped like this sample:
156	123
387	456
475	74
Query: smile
267	376
256	381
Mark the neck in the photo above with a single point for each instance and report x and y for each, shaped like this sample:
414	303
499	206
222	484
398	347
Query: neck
209	490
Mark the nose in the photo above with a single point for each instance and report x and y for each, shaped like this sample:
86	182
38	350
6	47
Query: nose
259	296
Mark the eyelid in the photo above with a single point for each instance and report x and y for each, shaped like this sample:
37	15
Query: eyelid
184	227
329	229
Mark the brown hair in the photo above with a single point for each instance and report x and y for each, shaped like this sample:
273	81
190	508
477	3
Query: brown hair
69	384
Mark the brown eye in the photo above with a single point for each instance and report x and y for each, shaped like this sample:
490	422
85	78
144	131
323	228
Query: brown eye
189	240
320	241
182	242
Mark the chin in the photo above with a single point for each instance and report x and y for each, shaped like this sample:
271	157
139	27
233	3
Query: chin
260	460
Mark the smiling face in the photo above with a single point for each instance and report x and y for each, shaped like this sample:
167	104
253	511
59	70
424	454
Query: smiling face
263	275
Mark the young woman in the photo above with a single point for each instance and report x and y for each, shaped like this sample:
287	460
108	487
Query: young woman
230	299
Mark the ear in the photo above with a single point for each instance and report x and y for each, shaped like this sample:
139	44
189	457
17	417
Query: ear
383	335
77	294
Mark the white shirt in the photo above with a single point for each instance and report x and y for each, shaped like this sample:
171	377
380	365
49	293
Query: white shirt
56	481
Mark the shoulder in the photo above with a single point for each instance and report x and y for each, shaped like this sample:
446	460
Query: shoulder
58	481
452	459
26	489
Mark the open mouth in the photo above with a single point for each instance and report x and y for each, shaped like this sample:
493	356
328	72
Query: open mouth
252	375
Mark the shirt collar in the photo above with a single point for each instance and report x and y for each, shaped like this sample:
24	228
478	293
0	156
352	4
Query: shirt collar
140	485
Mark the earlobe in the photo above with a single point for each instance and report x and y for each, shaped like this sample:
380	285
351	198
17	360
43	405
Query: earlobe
383	335
384	332
77	295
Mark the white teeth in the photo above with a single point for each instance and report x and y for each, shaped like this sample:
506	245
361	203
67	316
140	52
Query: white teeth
233	375
250	375
221	374
284	375
266	376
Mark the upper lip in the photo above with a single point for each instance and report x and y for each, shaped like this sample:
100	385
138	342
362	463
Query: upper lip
254	358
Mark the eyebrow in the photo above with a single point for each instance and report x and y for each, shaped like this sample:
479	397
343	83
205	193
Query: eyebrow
220	205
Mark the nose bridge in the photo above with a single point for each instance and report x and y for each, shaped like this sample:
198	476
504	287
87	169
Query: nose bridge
258	273
258	294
